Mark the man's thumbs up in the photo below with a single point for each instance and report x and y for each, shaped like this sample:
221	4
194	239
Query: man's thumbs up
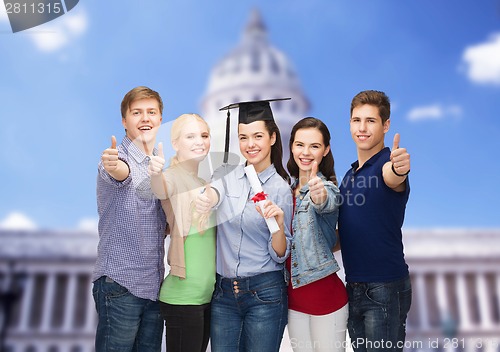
400	158
109	157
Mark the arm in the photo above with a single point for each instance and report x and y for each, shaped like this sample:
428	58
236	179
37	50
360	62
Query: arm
278	239
159	186
158	179
331	201
327	213
279	242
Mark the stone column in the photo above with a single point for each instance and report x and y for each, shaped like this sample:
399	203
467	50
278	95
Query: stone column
486	322
463	303
69	309
421	296
48	301
26	303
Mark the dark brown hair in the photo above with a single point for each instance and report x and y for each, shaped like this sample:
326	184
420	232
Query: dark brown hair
327	164
375	98
277	150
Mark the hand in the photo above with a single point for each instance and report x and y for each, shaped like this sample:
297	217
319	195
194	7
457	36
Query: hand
203	203
109	157
272	210
157	162
399	157
317	189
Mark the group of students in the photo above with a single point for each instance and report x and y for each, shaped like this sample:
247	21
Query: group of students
234	279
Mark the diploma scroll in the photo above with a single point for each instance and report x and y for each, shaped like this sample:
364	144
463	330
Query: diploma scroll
260	196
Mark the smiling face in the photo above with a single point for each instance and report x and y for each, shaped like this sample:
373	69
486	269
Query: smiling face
307	147
193	142
255	144
368	130
142	121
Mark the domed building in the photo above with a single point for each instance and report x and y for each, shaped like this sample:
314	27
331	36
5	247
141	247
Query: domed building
254	70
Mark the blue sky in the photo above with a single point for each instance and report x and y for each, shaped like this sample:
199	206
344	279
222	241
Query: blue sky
61	85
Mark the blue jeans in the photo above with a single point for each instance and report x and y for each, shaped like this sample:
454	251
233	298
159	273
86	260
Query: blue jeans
125	322
249	314
377	314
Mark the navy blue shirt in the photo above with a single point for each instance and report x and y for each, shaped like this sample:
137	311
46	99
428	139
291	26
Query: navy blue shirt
370	220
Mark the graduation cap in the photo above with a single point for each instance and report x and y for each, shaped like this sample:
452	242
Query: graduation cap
249	111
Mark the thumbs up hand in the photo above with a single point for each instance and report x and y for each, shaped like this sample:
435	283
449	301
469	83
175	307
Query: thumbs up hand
400	158
157	162
109	157
205	200
317	189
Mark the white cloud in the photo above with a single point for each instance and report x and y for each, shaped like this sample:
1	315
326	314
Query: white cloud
434	112
483	61
17	221
60	32
88	225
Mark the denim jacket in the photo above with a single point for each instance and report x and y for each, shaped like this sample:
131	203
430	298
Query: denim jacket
314	236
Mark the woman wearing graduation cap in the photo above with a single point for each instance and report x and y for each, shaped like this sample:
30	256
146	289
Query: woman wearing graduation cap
249	305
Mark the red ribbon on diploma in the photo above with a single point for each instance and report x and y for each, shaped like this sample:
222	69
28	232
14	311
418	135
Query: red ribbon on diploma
259	196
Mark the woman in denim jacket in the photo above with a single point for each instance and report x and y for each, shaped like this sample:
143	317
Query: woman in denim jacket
317	298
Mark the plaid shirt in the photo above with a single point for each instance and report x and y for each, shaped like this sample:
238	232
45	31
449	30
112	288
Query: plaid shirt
131	227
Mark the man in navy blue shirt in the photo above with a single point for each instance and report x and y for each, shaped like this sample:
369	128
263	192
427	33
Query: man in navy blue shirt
374	196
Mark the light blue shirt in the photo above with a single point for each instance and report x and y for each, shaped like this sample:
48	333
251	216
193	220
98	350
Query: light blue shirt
131	227
244	243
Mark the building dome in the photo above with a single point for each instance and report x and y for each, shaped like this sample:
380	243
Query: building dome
253	63
253	70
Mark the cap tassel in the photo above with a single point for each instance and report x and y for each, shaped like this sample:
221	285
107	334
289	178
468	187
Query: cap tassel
226	146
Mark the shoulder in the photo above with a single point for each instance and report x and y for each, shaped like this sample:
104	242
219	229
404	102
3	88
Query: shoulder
281	188
278	181
172	173
123	152
227	171
382	157
329	185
